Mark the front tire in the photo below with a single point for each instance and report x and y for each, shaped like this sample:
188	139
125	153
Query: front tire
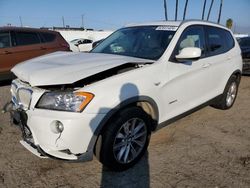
125	139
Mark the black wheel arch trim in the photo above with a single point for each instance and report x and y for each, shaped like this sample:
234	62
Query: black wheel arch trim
113	111
237	72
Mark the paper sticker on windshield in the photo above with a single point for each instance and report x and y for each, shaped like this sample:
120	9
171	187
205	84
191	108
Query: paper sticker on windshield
166	28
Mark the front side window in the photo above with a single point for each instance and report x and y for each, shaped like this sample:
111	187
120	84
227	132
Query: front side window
27	38
192	37
5	40
148	42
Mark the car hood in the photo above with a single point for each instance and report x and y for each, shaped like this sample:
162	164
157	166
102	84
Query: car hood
67	67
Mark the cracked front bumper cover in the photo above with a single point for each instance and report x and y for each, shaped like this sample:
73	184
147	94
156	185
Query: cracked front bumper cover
20	118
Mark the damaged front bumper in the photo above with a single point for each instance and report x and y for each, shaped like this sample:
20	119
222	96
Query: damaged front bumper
19	118
31	138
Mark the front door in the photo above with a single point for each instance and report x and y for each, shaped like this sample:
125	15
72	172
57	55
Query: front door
188	82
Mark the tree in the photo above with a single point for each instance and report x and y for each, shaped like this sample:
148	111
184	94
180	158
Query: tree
229	23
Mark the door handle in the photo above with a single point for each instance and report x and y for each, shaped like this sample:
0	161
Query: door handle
206	65
7	52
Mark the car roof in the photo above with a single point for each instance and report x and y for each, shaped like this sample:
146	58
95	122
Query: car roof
12	28
169	23
178	23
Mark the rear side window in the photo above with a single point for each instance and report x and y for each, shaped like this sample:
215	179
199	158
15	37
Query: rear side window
27	38
5	40
219	41
47	37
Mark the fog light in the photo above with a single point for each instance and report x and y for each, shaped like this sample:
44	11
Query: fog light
56	127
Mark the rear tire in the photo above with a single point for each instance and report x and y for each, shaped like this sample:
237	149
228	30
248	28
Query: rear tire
229	95
125	139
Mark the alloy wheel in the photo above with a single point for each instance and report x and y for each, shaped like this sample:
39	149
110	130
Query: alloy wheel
130	140
231	94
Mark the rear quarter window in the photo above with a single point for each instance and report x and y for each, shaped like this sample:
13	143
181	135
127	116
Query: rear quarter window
228	40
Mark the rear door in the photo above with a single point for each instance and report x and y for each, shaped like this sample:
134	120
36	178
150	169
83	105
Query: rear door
49	42
219	43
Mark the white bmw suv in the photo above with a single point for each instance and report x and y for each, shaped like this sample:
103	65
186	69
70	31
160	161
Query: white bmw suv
107	102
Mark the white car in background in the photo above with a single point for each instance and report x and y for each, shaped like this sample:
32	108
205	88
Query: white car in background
73	47
107	102
83	45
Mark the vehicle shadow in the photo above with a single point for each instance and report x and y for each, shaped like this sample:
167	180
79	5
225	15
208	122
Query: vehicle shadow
138	175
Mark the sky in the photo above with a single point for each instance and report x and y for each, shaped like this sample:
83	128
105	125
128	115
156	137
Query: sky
113	14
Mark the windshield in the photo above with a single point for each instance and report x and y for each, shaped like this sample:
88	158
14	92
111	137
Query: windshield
148	42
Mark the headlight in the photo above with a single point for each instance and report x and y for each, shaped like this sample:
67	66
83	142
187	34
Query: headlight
65	101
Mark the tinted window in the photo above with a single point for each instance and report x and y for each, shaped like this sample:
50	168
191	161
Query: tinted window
245	42
4	39
192	37
228	40
26	38
87	41
219	40
47	37
215	41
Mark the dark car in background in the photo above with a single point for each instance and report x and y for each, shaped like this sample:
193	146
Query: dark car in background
19	44
244	43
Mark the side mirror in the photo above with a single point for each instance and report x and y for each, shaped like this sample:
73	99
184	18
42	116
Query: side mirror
189	53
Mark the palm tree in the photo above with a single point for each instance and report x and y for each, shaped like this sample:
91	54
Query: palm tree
221	3
204	7
165	8
185	10
211	5
176	10
229	23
